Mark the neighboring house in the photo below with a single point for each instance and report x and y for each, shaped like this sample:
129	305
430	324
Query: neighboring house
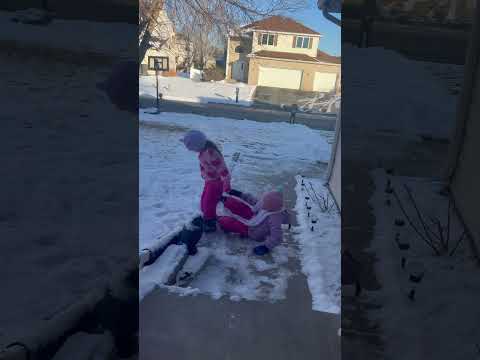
169	50
281	52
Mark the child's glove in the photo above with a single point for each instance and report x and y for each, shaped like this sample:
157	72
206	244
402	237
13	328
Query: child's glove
261	250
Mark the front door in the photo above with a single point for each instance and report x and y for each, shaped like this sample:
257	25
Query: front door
239	70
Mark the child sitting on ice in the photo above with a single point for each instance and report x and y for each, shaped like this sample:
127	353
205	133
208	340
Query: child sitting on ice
260	220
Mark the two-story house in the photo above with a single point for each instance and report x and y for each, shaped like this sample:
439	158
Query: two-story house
280	52
169	50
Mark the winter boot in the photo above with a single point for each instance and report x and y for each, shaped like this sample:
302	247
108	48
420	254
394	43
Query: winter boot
210	225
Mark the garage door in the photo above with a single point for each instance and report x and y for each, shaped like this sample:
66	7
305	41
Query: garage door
324	82
279	78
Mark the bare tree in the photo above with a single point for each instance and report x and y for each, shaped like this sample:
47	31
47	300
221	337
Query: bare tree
224	15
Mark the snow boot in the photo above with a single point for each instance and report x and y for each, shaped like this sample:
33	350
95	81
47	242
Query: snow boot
210	225
190	237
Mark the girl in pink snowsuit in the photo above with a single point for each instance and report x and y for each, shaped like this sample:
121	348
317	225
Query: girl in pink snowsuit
213	170
259	220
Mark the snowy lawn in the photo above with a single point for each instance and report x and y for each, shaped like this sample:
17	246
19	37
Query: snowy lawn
180	88
446	299
170	189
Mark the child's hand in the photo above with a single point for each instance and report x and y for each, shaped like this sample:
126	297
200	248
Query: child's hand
261	250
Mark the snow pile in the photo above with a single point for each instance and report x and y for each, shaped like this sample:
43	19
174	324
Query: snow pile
161	270
416	104
320	248
170	189
188	90
321	103
446	300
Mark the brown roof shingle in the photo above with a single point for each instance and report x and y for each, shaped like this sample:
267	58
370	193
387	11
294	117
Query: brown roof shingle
321	56
326	58
284	56
281	24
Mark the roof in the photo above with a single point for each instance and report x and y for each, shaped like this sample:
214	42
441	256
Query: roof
284	56
327	58
281	24
321	57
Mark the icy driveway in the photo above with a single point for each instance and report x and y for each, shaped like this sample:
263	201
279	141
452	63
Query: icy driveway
170	188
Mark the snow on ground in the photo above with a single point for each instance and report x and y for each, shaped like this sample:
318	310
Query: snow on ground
320	248
321	103
417	103
180	88
446	298
170	189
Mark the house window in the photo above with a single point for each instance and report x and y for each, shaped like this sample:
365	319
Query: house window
303	42
239	50
267	39
161	61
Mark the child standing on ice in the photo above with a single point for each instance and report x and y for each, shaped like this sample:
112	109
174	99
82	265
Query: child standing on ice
213	170
260	220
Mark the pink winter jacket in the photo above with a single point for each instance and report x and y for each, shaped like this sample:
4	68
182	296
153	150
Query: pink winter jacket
212	167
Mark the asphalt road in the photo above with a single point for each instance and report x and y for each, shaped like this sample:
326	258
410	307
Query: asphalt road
315	121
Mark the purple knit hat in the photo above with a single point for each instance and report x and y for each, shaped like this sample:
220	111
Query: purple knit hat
194	140
272	201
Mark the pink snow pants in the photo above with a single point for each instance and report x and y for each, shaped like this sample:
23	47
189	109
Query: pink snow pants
212	193
230	224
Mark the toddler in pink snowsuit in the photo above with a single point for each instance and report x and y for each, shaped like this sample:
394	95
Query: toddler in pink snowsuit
260	220
213	170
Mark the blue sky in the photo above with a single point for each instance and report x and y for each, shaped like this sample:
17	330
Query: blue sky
331	42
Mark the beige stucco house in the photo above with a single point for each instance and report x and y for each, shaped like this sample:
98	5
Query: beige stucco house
281	52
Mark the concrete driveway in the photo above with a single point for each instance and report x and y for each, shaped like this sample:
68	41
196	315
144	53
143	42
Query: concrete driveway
273	98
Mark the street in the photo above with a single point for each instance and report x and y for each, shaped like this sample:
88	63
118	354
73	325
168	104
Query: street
314	121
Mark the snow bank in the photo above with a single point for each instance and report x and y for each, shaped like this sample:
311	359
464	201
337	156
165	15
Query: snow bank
320	248
188	90
161	270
